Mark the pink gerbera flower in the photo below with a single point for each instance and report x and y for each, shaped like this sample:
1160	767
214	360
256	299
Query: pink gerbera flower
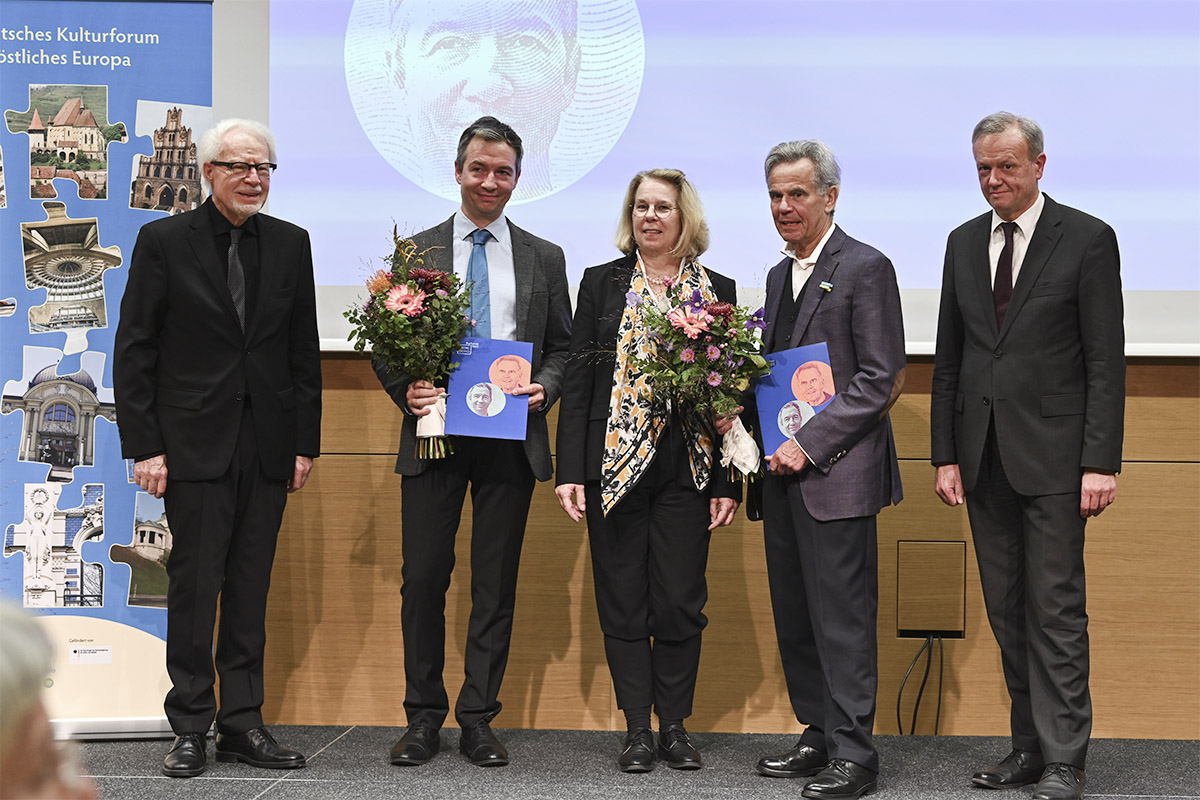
691	324
402	298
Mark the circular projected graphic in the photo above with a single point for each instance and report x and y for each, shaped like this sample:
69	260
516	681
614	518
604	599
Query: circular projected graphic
565	74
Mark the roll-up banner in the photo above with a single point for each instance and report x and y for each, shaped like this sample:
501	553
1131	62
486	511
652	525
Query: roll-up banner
102	103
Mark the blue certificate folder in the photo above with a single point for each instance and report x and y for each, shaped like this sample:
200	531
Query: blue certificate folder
799	386
479	403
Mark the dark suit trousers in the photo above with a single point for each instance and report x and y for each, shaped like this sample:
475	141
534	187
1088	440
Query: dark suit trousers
224	533
501	487
1030	552
648	561
825	597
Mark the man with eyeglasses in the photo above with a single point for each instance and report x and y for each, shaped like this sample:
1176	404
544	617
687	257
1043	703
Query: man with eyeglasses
217	378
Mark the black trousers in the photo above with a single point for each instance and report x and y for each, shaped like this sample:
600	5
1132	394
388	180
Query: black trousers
1030	552
501	483
825	598
648	561
224	533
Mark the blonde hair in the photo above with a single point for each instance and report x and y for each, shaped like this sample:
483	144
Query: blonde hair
693	233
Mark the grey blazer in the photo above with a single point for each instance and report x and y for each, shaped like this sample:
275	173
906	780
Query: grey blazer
543	317
854	471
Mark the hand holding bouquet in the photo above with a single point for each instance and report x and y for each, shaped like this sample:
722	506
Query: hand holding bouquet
413	321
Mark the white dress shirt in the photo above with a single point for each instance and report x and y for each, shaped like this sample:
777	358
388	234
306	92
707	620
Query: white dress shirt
802	267
1024	230
502	280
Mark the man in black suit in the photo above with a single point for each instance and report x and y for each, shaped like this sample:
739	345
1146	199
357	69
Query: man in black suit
829	481
529	302
1027	421
217	377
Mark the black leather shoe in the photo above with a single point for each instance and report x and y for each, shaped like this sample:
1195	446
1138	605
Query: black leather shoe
186	758
257	748
801	761
1020	767
481	747
675	748
419	743
637	751
1060	782
841	779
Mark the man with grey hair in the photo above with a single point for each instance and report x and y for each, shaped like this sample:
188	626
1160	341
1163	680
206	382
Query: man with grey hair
828	481
1027	419
217	381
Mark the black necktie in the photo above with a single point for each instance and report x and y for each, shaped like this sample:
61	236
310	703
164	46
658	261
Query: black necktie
1002	289
237	277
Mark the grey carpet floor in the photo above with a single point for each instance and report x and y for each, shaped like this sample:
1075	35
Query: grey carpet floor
351	763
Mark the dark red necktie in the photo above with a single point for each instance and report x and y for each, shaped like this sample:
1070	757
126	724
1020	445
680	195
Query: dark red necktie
1002	288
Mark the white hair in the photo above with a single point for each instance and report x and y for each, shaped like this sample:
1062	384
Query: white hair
25	659
208	149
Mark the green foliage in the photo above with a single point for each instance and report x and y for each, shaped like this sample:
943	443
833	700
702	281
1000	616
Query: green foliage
114	133
414	318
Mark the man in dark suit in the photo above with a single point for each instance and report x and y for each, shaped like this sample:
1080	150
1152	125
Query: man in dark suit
527	286
217	377
1027	421
827	483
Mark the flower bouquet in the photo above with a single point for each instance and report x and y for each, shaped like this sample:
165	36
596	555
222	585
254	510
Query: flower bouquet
413	321
705	355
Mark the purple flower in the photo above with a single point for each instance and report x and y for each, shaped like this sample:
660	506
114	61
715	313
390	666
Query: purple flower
713	352
442	293
756	320
668	345
687	355
633	299
714	378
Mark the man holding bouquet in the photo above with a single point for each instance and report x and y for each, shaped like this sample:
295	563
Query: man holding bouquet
518	287
828	481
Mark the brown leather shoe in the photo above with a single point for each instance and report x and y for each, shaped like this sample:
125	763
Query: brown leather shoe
801	761
1060	782
1020	767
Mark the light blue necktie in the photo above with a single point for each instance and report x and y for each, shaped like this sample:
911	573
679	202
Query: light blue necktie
481	292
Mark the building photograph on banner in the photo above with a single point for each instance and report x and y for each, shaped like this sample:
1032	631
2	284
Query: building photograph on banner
101	105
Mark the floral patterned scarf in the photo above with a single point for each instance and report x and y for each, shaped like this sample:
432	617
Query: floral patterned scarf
635	420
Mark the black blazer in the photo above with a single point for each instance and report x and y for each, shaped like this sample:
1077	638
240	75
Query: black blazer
587	387
182	364
1053	375
543	311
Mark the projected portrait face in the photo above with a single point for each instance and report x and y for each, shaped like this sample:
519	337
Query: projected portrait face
810	383
509	373
485	399
420	72
792	416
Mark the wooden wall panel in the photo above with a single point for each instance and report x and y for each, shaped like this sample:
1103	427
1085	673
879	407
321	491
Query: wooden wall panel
335	656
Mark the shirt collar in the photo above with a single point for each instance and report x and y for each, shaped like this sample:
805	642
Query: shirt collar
222	225
807	263
463	227
1028	220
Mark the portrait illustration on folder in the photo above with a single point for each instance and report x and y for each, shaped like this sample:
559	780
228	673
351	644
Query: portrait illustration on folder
489	370
799	386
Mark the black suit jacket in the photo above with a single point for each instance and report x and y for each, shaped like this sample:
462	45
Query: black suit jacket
182	365
543	310
587	389
854	471
1053	376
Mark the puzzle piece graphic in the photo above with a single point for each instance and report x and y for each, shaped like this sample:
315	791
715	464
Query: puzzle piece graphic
69	136
60	411
50	542
64	257
169	179
147	552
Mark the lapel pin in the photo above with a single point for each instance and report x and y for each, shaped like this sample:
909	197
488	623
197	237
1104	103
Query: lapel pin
827	286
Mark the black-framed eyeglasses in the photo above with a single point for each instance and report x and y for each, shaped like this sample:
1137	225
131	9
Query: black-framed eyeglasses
241	169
